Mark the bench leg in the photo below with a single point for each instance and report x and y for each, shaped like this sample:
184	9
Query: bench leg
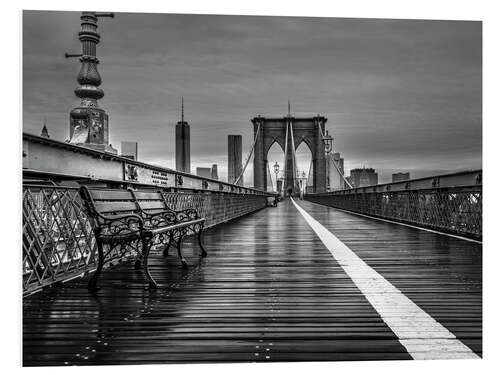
92	285
138	258
146	246
200	243
138	264
167	245
179	252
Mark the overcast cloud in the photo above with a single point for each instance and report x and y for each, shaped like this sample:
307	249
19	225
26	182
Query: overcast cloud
398	94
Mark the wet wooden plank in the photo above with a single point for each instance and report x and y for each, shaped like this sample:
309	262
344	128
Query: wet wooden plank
269	291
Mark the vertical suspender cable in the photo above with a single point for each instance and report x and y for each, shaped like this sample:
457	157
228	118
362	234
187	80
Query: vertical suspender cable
286	149
294	160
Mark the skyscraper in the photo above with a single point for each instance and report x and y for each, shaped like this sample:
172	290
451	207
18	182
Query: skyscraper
234	159
364	177
335	179
204	172
182	144
397	177
213	173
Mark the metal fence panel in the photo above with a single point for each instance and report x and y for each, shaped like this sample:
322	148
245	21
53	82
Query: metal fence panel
451	210
58	242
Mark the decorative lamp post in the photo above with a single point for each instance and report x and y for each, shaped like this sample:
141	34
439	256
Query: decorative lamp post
328	141
89	122
276	169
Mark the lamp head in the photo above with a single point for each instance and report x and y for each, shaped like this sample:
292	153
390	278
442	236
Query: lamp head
328	141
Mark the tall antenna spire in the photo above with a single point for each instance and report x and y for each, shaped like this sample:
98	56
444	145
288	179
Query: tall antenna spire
288	107
182	109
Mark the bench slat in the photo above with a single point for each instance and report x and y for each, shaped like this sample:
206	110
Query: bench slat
105	207
111	195
152	205
152	195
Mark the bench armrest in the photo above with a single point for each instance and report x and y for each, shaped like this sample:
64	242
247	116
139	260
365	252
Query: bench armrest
120	217
159	219
119	224
186	214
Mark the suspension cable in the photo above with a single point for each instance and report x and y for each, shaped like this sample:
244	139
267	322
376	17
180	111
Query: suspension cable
286	149
249	155
294	160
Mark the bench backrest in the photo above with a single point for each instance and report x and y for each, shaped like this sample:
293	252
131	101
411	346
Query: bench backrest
108	201
118	201
150	201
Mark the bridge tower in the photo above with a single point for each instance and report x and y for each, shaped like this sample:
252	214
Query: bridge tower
88	123
289	132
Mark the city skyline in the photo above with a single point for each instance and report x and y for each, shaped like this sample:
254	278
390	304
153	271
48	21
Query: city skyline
400	96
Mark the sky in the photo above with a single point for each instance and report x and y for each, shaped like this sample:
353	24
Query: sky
399	95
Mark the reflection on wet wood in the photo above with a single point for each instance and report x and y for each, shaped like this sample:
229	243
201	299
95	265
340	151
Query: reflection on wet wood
269	291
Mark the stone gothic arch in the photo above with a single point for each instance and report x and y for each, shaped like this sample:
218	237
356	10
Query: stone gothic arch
277	130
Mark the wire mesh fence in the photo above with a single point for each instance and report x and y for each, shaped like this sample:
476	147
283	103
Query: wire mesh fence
451	210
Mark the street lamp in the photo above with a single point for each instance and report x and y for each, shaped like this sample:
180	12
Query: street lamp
276	168
328	141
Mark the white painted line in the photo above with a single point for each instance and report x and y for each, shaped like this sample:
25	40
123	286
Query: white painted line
421	335
403	224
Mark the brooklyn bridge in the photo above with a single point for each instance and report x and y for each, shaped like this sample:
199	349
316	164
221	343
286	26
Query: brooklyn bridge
127	262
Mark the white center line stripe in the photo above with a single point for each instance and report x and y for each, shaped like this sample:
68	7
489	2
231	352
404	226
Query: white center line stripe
421	335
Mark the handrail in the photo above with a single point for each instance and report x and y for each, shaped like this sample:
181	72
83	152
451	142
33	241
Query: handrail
450	203
472	178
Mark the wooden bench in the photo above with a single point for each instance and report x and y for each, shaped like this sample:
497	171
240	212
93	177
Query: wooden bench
125	220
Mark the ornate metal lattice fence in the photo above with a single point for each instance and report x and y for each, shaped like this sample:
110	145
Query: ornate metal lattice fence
58	242
456	210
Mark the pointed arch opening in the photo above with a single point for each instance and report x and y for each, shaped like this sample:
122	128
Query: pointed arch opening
275	156
303	157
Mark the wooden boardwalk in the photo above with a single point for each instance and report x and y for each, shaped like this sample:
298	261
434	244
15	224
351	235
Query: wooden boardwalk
269	291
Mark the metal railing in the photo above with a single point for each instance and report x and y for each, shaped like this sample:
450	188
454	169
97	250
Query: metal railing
449	203
58	242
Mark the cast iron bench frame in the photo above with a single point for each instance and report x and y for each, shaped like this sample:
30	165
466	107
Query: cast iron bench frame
136	219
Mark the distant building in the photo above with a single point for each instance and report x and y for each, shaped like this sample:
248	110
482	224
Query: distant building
234	159
335	180
349	180
182	144
213	172
363	177
204	172
396	177
130	150
45	132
